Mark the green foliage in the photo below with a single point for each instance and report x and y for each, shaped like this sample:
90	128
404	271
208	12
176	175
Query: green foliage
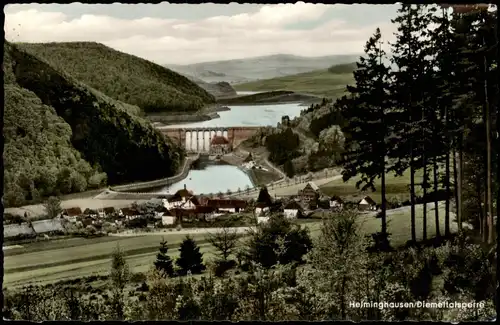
163	262
224	241
264	196
289	169
122	76
119	277
190	259
278	241
282	146
109	138
53	207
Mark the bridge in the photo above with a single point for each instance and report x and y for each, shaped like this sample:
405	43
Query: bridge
198	139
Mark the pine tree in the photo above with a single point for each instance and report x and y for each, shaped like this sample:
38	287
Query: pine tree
410	52
163	261
190	259
366	111
264	196
289	170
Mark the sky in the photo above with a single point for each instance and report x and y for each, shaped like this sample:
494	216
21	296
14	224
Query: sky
190	33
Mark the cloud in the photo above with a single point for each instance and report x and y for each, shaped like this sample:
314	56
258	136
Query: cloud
184	41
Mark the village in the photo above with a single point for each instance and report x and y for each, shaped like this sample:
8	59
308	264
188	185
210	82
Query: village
182	209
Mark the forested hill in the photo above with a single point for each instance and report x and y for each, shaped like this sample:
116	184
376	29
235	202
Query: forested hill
63	137
123	76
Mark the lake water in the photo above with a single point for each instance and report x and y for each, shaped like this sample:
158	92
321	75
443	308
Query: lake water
212	179
215	178
249	115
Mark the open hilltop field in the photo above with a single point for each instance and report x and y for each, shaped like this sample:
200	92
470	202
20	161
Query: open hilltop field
265	67
330	82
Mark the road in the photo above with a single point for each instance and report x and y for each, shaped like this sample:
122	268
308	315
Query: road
238	230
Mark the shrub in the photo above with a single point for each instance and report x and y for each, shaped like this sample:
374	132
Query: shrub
222	266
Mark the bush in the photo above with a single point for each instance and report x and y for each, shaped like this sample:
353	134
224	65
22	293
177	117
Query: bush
222	266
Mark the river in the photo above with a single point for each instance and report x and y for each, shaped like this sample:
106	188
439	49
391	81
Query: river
215	177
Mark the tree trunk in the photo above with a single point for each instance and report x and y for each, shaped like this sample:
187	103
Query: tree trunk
412	197
436	202
455	180
384	206
447	179
489	198
424	188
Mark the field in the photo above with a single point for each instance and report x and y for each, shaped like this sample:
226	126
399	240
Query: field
396	187
52	261
318	82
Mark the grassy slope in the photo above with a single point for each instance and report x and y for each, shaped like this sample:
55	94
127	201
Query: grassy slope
319	82
122	76
395	187
102	130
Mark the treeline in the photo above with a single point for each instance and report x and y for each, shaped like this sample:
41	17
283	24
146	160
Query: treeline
277	273
434	109
282	146
342	68
54	115
123	76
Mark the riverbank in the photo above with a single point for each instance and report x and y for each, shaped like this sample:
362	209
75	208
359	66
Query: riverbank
144	186
267	98
205	114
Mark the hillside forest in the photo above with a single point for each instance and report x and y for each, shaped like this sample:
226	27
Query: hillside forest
433	110
63	136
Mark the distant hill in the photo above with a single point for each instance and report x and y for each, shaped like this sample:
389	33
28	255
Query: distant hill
122	76
265	67
217	89
329	82
62	136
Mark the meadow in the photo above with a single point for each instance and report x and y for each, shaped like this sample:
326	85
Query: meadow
319	82
52	261
396	187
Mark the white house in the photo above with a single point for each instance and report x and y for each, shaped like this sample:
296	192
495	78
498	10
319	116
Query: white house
182	198
262	219
336	202
367	203
261	208
167	220
227	205
292	210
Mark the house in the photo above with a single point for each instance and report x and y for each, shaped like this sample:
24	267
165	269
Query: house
367	203
219	145
310	192
261	208
72	212
182	198
14	230
336	203
109	211
206	212
47	226
167	220
227	205
292	210
90	213
262	219
130	213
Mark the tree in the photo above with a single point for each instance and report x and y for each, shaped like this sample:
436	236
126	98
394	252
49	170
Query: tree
289	169
119	277
163	261
224	241
190	259
264	196
410	54
366	113
247	189
228	192
264	245
53	207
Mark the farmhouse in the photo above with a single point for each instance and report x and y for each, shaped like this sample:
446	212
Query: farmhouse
336	203
227	205
309	192
367	203
182	198
261	207
293	209
130	213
